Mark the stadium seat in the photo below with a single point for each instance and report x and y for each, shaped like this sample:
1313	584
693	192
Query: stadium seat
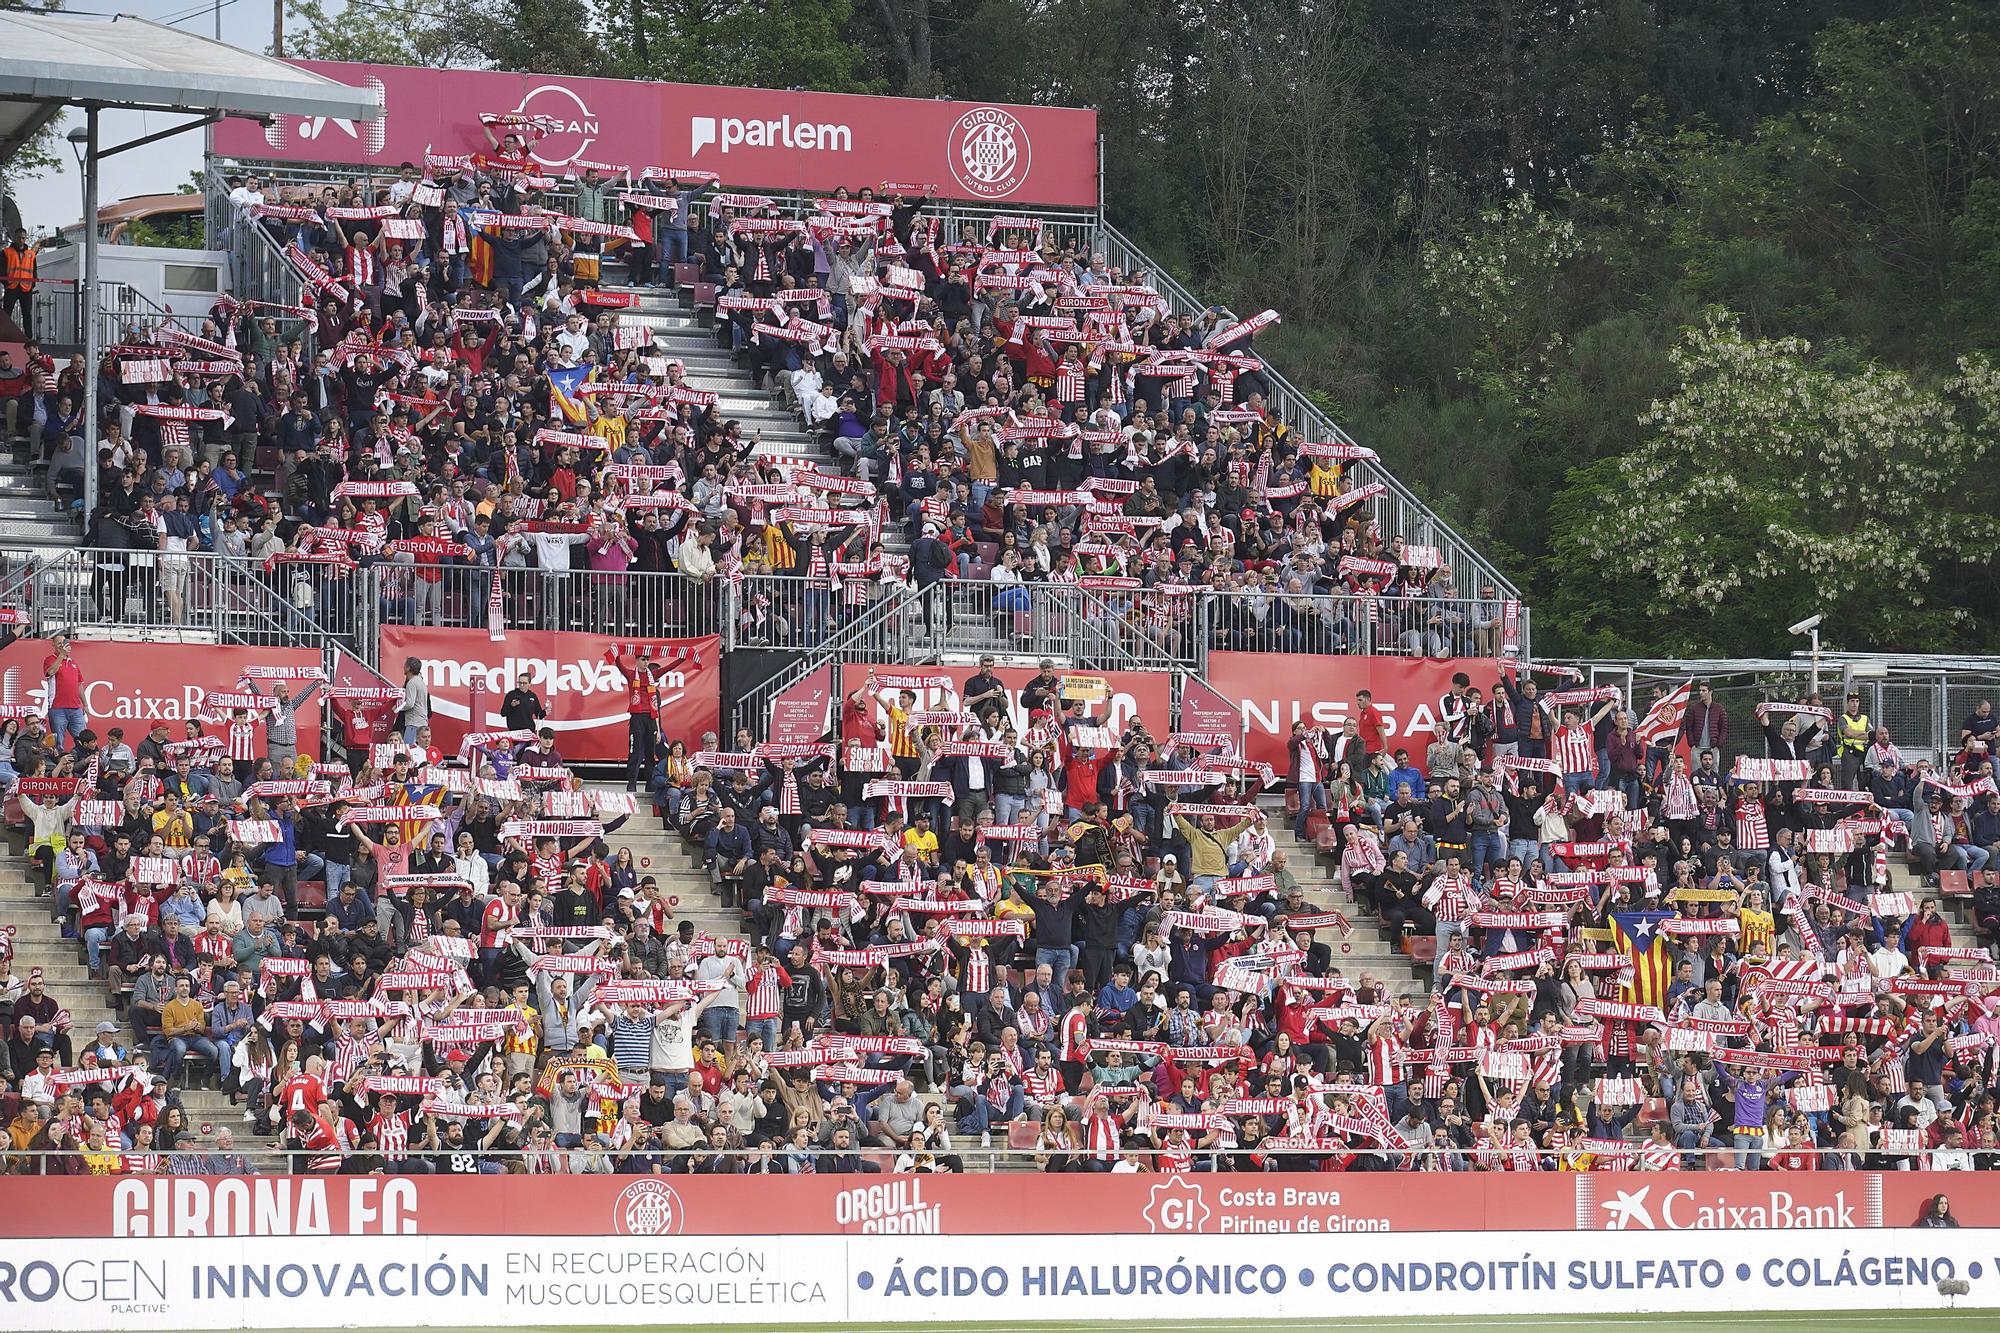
1955	883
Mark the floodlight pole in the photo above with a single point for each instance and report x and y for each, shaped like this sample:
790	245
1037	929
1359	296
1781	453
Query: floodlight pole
92	352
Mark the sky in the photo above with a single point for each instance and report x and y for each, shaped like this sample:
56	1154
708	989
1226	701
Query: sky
55	199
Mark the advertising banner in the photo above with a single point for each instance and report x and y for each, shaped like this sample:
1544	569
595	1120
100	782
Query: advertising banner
561	1205
1275	690
500	1280
752	138
1129	694
975	1205
133	684
585	695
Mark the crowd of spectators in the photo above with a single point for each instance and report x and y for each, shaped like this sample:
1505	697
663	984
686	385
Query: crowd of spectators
463	388
999	921
972	916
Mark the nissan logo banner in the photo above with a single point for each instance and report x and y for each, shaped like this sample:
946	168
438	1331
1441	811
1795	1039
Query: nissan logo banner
753	138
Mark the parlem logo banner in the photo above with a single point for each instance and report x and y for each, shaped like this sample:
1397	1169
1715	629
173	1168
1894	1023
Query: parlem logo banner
754	138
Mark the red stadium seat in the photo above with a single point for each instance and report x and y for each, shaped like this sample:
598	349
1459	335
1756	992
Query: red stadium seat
1955	883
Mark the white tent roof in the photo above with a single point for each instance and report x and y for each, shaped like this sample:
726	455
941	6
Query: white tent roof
49	61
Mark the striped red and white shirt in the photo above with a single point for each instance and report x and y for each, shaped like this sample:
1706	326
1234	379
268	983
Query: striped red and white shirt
392	1134
1385	1060
1100	1138
1450	898
243	741
1574	750
1069	382
496	925
1752	834
1042	1086
766	992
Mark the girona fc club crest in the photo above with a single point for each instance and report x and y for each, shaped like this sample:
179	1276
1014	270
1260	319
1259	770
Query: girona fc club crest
647	1208
989	152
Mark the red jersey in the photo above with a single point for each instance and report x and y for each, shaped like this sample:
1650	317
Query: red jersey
67	690
496	925
301	1092
858	725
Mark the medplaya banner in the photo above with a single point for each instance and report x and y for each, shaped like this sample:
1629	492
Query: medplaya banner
511	1281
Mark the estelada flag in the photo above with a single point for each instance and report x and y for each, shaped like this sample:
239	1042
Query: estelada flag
1637	936
1663	719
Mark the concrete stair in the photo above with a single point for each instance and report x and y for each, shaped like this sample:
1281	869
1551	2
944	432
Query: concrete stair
681	335
29	519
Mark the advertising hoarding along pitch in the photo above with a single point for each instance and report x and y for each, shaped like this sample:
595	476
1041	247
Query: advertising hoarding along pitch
156	1207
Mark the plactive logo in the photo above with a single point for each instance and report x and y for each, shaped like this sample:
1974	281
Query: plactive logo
647	1208
1176	1205
989	152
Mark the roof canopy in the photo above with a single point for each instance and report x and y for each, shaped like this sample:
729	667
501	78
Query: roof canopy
50	61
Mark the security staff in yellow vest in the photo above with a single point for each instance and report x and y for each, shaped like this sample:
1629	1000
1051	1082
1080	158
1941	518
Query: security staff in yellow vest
1851	730
17	274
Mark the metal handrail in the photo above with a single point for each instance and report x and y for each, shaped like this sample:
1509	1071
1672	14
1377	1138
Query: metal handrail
977	1157
877	634
1407	514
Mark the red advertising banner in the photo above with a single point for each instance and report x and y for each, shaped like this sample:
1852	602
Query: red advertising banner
982	1205
585	695
1141	694
752	138
1275	690
969	1205
799	714
134	685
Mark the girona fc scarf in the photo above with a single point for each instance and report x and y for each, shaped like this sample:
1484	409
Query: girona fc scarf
496	616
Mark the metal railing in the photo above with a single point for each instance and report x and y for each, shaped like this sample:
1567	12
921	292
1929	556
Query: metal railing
168	595
1343	624
967	1153
121	309
258	269
1064	226
1400	512
239	600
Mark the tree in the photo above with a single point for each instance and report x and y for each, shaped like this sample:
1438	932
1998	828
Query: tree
383	32
1771	482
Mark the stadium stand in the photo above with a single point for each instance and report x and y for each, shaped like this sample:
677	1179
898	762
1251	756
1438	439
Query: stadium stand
970	925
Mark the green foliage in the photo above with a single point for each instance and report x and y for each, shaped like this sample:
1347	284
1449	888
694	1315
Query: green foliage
1720	536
